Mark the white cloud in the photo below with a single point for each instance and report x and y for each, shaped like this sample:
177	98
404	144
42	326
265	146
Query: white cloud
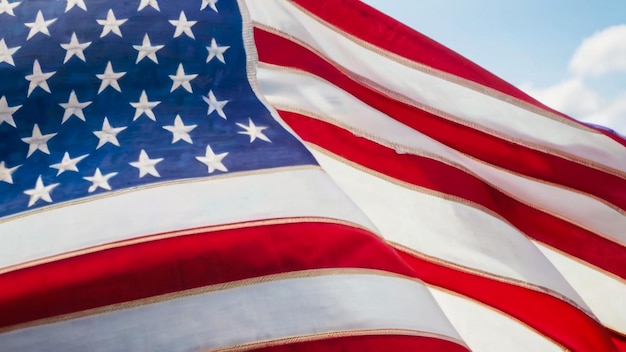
575	99
612	115
571	97
602	53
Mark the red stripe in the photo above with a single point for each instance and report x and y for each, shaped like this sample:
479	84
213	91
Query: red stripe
355	18
280	51
550	316
169	265
364	22
619	340
374	343
440	177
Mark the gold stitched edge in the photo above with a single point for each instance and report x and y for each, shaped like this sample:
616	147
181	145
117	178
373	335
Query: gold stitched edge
447	263
416	188
555	185
478	272
452	198
521	200
497	311
449	77
491	276
442	74
206	289
115	193
410	186
581	262
619	333
409	150
356	130
331	335
185	232
455	80
252	58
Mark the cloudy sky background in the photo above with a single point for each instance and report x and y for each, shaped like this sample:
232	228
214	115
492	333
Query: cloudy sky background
569	54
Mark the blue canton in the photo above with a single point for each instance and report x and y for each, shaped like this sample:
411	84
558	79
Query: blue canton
99	95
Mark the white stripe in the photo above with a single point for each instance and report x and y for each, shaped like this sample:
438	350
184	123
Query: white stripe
605	295
487	330
301	91
258	312
448	230
213	201
470	105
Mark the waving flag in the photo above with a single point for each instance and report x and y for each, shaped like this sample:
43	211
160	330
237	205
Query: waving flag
489	194
153	199
150	201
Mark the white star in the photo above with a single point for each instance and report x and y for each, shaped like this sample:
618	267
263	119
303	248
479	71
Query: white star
72	3
5	172
75	48
111	24
39	26
67	163
99	181
146	165
143	106
108	134
147	50
180	79
6	6
6	112
40	192
253	131
109	78
153	3
6	53
215	105
216	51
210	3
183	26
38	141
213	161
180	131
38	79
74	107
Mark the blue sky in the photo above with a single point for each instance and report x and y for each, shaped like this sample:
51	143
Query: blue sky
569	54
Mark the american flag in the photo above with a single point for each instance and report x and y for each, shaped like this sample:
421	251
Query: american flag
102	98
153	199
